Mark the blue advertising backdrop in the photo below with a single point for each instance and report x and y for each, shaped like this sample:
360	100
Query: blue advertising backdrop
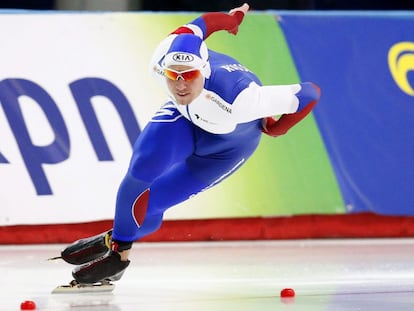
364	64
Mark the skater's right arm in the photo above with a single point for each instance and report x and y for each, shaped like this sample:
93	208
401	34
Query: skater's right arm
211	22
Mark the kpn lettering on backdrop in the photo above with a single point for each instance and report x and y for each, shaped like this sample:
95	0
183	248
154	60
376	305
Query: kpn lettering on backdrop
35	155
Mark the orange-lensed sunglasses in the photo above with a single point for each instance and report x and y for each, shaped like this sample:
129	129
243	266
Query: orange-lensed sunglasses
186	75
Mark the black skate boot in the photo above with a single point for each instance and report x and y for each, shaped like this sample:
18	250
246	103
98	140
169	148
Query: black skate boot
88	249
109	267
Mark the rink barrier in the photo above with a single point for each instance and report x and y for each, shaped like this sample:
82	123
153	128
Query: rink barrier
364	225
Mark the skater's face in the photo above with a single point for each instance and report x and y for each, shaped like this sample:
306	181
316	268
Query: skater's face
185	83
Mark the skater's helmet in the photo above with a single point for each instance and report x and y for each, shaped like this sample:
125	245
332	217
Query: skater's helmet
189	50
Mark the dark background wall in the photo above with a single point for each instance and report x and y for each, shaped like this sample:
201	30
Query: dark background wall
223	5
208	5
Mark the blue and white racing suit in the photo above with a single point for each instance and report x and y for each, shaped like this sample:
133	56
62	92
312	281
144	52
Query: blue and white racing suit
186	149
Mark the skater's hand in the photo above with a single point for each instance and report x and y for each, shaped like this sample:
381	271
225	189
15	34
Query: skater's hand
237	15
244	8
271	128
216	21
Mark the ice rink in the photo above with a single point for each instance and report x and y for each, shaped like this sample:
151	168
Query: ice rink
231	276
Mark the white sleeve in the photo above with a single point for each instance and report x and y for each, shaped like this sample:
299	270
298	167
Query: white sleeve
256	101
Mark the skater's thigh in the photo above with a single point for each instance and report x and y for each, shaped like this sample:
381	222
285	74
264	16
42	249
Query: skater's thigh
160	145
189	178
217	156
173	187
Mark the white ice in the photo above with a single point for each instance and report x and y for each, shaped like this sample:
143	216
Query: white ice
371	274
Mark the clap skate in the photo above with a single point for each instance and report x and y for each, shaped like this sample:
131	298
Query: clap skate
75	287
97	274
109	267
83	251
86	250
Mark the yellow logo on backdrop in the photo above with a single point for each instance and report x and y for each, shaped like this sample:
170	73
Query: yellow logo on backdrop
401	61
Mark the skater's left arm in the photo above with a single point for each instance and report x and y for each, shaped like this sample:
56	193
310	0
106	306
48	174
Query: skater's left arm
277	127
294	100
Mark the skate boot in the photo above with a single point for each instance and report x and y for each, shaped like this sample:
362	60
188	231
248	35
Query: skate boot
109	267
88	249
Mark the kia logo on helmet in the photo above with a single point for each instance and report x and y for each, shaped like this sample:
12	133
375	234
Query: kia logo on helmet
183	57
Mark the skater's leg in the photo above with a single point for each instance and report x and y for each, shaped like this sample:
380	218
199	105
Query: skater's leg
165	141
141	212
160	147
175	186
213	159
199	172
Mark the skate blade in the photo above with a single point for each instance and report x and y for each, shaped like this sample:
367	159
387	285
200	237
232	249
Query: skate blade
74	287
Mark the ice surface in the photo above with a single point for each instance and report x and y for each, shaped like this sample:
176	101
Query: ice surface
371	274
